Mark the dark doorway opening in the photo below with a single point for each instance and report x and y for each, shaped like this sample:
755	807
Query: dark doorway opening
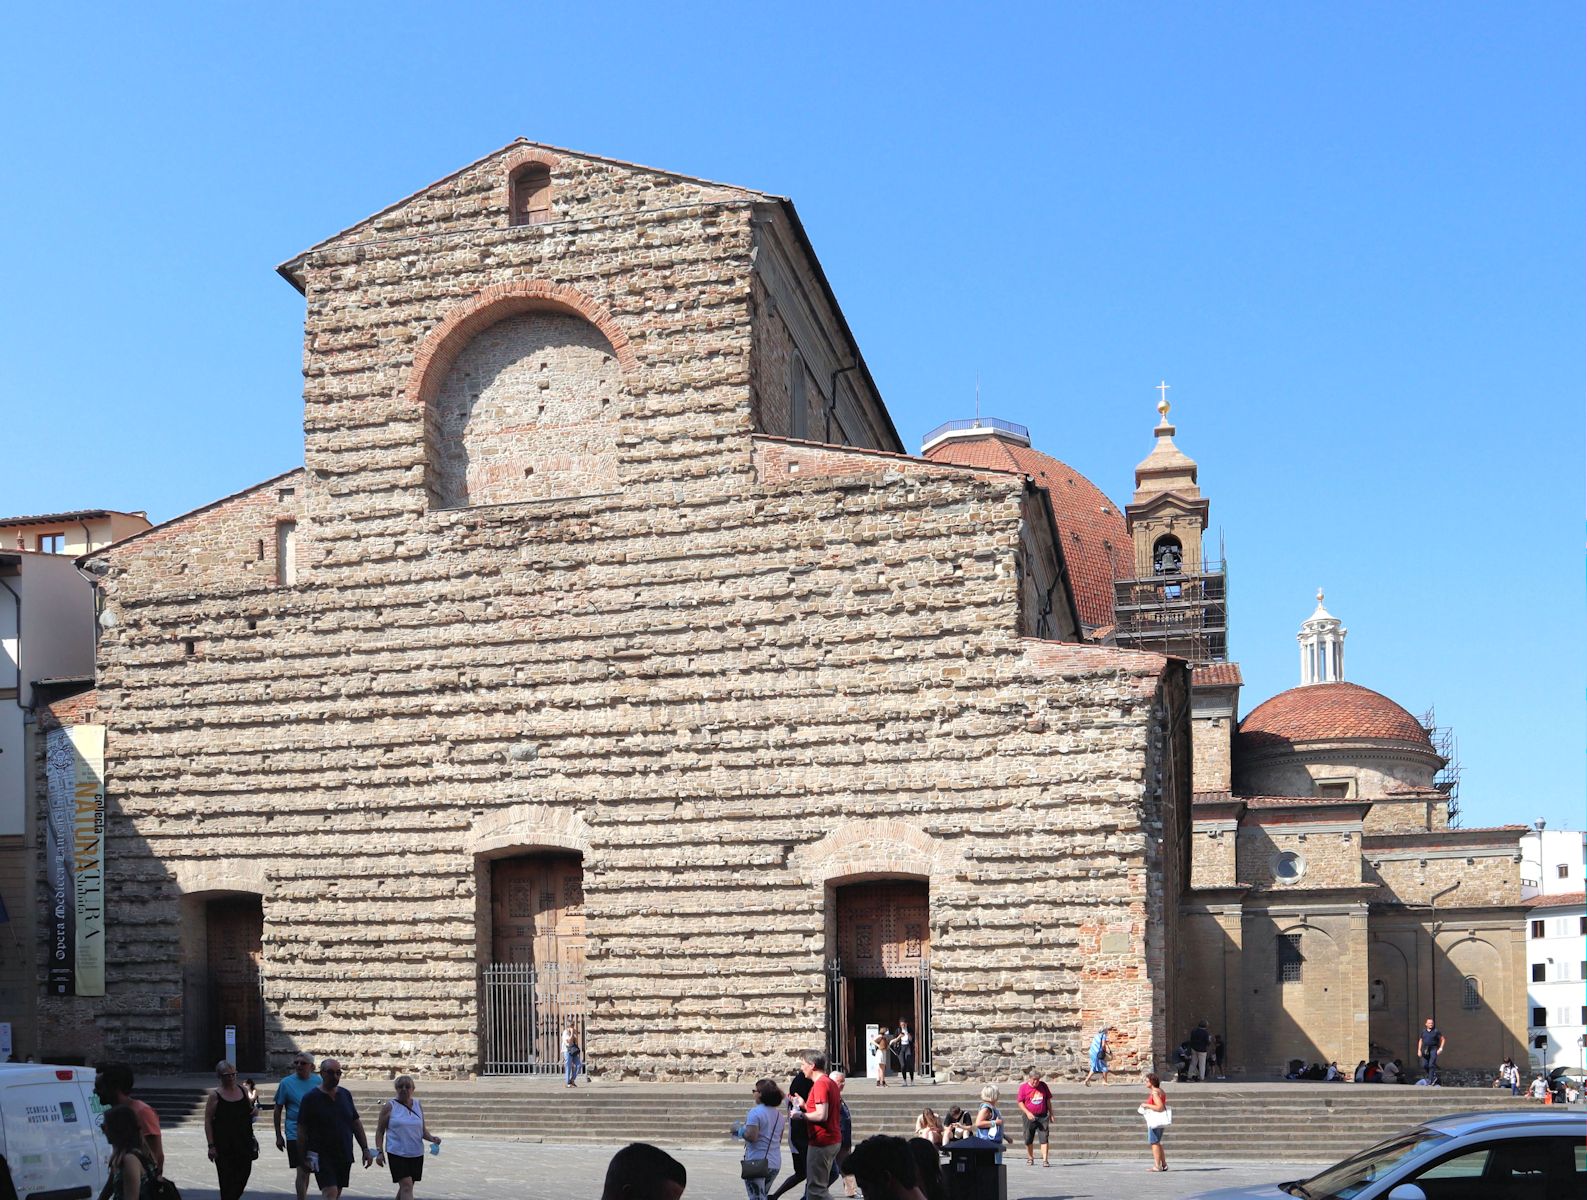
223	980
880	974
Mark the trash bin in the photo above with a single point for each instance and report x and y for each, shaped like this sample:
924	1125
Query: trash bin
973	1171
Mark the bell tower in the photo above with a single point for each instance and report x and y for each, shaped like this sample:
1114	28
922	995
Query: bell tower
1175	602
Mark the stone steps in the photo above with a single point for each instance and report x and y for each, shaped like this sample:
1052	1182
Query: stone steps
1234	1124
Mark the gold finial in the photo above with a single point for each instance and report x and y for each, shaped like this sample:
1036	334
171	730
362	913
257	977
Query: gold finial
1162	400
1319	595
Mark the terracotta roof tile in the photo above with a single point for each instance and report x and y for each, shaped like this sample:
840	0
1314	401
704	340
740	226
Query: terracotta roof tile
1095	545
1216	675
1327	711
1558	900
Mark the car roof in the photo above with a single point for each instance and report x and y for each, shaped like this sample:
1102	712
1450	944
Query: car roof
12	1074
1460	1124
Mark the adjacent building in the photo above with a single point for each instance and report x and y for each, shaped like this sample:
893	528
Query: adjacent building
1556	947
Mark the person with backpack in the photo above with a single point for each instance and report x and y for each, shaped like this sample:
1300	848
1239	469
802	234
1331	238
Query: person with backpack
132	1172
1098	1056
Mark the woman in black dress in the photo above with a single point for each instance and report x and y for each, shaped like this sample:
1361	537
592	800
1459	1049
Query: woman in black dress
228	1128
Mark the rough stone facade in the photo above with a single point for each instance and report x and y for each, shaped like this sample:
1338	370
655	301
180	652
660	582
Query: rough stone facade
556	581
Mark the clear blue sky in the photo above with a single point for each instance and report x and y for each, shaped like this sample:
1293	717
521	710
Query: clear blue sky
1349	235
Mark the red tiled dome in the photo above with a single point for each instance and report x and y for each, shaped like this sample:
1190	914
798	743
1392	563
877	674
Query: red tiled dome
1330	711
1090	525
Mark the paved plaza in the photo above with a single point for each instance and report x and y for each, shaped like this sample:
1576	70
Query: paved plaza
474	1169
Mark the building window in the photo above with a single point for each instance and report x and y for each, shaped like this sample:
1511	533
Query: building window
1583	921
1288	867
50	543
1290	959
1537	929
286	553
1584	1014
1537	972
1563	870
1539	1017
1471	994
531	195
1340	788
798	406
1167	556
1540	1042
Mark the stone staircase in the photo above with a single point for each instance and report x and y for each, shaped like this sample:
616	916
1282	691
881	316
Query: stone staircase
1282	1122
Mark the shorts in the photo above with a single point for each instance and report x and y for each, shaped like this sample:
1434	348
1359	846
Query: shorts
405	1166
1154	1135
334	1172
294	1159
1036	1131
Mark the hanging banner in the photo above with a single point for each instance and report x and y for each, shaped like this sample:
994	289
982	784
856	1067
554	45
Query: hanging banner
74	852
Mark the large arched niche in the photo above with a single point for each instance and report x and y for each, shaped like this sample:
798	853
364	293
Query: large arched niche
522	390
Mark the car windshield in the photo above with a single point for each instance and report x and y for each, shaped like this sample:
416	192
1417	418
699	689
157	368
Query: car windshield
1350	1177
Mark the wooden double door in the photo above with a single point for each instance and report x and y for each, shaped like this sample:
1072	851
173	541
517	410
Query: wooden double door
537	911
234	933
881	974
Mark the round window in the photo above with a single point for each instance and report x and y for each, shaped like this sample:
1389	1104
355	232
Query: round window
1288	866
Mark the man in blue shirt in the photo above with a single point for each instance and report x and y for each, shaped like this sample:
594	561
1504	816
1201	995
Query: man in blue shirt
1429	1046
289	1095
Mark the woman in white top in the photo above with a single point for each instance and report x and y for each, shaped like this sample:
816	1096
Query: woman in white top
400	1138
762	1132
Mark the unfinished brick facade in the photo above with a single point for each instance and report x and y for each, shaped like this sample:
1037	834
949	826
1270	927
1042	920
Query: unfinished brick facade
561	583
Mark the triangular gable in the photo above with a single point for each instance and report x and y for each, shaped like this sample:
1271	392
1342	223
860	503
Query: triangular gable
288	269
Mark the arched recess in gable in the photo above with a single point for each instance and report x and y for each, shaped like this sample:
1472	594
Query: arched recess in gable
521	388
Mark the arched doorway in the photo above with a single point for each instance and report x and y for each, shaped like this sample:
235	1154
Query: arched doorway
533	978
880	969
222	977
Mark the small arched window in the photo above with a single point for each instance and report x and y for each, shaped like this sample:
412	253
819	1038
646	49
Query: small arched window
1471	994
798	405
531	194
1167	556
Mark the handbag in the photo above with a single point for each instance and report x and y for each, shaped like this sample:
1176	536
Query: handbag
1155	1119
760	1168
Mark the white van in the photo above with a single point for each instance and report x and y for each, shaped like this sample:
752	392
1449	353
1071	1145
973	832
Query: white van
51	1147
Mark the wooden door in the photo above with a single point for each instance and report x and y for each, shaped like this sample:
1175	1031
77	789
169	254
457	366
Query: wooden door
537	911
235	936
883	928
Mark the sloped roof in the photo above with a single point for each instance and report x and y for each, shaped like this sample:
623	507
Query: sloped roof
80	514
1557	900
1090	525
1224	674
1319	712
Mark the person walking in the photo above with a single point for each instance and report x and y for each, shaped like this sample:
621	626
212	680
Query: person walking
131	1161
1155	1110
400	1134
1215	1056
328	1124
1429	1046
798	1133
762	1130
883	1044
1035	1106
228	1129
113	1085
1098	1056
570	1055
1200	1042
904	1047
846	1131
289	1095
821	1116
1509	1076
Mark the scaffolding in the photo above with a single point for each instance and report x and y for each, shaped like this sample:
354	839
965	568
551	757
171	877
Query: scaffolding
1185	615
1447	748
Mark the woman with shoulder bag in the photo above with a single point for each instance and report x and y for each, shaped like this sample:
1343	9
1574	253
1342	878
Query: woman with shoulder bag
132	1173
761	1131
400	1135
228	1128
1158	1116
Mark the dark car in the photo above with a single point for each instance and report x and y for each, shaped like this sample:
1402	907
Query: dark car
1468	1156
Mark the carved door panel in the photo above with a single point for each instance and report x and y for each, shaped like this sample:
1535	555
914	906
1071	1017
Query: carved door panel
537	910
883	928
235	936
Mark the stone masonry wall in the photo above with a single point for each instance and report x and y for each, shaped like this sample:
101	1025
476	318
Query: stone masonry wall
728	687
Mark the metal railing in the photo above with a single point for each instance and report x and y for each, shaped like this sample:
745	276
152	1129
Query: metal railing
523	1010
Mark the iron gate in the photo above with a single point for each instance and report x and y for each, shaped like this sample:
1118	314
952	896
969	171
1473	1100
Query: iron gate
523	1010
840	982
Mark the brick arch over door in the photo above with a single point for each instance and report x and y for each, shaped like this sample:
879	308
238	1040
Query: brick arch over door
874	848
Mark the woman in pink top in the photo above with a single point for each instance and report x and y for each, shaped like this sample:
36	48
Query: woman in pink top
1035	1106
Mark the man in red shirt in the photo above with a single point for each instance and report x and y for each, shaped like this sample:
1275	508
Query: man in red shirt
113	1086
821	1114
1035	1105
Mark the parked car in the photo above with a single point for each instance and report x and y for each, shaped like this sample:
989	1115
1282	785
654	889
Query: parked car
1468	1156
50	1144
